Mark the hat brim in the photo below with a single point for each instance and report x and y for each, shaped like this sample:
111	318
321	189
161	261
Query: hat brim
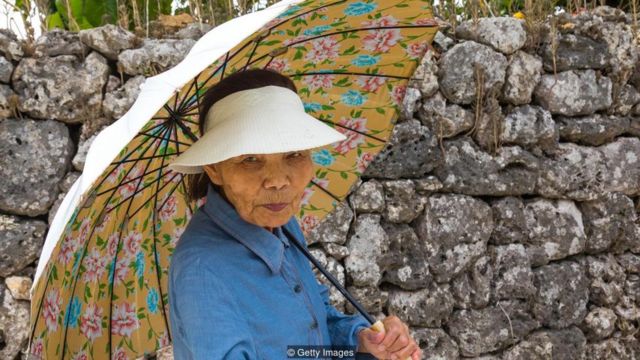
275	133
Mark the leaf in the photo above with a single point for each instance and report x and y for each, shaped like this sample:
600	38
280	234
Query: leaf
350	50
54	273
343	175
149	333
380	110
269	43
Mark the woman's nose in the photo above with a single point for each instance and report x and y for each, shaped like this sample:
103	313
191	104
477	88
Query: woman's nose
276	177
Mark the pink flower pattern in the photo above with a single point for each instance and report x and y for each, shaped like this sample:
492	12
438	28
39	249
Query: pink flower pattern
397	94
324	48
308	223
120	354
124	320
308	191
381	40
169	208
353	138
278	64
112	244
94	264
416	50
363	161
370	83
131	243
67	249
130	182
51	308
122	268
91	322
383	21
37	347
319	81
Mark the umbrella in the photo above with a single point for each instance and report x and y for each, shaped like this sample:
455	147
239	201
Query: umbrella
100	289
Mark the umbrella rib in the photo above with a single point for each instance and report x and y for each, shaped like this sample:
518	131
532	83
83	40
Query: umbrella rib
186	93
354	130
155	252
184	128
167	118
133	179
156	126
326	191
158	137
75	280
257	43
115	261
181	126
146	186
142	158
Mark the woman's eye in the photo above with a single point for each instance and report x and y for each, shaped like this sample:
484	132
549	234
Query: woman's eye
296	154
250	159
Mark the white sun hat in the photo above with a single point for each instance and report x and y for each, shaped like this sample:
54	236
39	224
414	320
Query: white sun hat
263	120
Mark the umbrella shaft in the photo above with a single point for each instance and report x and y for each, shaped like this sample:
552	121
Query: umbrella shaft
331	278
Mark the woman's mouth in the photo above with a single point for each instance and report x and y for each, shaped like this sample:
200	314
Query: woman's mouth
276	207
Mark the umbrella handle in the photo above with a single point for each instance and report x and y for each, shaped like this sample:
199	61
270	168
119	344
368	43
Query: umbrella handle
379	326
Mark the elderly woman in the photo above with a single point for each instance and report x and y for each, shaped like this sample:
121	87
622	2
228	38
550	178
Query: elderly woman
238	287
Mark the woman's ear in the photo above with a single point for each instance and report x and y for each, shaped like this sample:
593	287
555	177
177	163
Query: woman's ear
214	173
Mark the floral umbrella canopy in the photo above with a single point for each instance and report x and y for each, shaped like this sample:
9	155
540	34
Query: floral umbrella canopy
100	290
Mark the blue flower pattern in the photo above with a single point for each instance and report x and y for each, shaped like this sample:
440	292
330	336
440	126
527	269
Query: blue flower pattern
359	8
72	312
139	264
316	30
365	60
312	107
353	98
323	157
152	300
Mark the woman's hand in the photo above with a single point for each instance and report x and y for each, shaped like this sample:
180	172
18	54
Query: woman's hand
393	343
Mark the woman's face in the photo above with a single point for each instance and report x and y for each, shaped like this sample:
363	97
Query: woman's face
251	181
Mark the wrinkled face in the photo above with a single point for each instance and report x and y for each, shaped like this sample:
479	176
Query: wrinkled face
251	181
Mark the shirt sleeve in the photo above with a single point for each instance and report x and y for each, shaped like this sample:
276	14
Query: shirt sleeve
343	328
207	318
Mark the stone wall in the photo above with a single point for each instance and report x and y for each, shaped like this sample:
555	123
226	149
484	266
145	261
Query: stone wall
500	222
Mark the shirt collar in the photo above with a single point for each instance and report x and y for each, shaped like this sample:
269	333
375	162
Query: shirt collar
266	245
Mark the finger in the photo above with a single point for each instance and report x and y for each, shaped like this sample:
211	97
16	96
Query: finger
405	352
401	342
389	338
417	354
374	337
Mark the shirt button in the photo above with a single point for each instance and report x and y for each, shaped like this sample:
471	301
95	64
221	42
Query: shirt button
297	288
314	324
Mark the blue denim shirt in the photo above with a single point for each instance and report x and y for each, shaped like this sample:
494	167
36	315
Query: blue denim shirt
238	291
